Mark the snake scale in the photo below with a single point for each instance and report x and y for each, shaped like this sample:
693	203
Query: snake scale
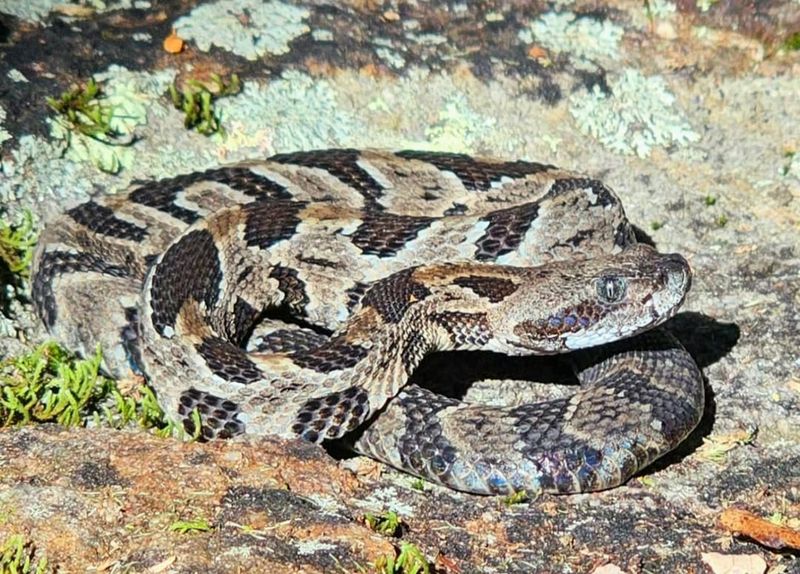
296	295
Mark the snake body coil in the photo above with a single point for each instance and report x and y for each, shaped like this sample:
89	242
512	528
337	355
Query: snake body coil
295	296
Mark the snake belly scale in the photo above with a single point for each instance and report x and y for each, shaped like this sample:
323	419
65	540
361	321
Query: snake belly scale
296	295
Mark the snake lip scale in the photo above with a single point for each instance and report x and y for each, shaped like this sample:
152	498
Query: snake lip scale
296	295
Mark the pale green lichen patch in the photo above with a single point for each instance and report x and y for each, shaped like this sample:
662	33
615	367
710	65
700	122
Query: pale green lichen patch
249	28
582	38
125	99
295	111
37	10
640	114
458	126
16	76
33	10
659	9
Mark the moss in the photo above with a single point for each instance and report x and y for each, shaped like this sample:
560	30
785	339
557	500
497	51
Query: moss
84	119
17	243
84	111
388	523
792	43
716	447
519	497
409	560
128	97
197	102
189	526
17	556
51	385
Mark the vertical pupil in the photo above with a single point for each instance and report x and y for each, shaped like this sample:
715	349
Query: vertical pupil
610	289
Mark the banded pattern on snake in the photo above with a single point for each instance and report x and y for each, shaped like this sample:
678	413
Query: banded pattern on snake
296	296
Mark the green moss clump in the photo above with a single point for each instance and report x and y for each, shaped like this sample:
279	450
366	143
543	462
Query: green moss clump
83	110
410	560
792	43
17	557
16	245
188	526
51	385
388	523
197	102
518	497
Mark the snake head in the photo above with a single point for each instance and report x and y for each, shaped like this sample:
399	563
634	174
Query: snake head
563	306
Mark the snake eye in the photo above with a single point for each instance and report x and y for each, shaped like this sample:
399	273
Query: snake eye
611	288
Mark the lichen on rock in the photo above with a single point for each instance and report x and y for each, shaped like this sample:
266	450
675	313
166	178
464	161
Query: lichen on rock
638	115
249	28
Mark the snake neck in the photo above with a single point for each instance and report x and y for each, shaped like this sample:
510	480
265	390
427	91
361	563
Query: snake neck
380	355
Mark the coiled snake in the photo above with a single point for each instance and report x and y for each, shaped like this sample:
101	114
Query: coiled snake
295	296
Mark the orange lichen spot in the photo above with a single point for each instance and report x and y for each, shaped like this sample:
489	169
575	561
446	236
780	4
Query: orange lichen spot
173	43
539	54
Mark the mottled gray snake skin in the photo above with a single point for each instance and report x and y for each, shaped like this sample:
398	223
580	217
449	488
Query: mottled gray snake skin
295	296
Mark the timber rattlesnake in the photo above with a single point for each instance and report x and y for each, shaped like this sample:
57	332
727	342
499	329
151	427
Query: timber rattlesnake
371	261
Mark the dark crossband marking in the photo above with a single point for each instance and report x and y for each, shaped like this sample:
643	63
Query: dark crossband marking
331	416
355	294
293	289
384	234
219	418
189	270
228	361
604	196
129	335
162	194
457	209
340	163
290	341
466	329
475	174
102	220
414	349
579	238
391	297
505	231
242	321
268	223
333	355
495	289
541	423
248	182
624	235
423	446
56	263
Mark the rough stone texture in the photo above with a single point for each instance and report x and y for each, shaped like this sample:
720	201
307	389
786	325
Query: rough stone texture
688	109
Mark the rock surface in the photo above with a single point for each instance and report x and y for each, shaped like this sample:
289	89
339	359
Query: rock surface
690	110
